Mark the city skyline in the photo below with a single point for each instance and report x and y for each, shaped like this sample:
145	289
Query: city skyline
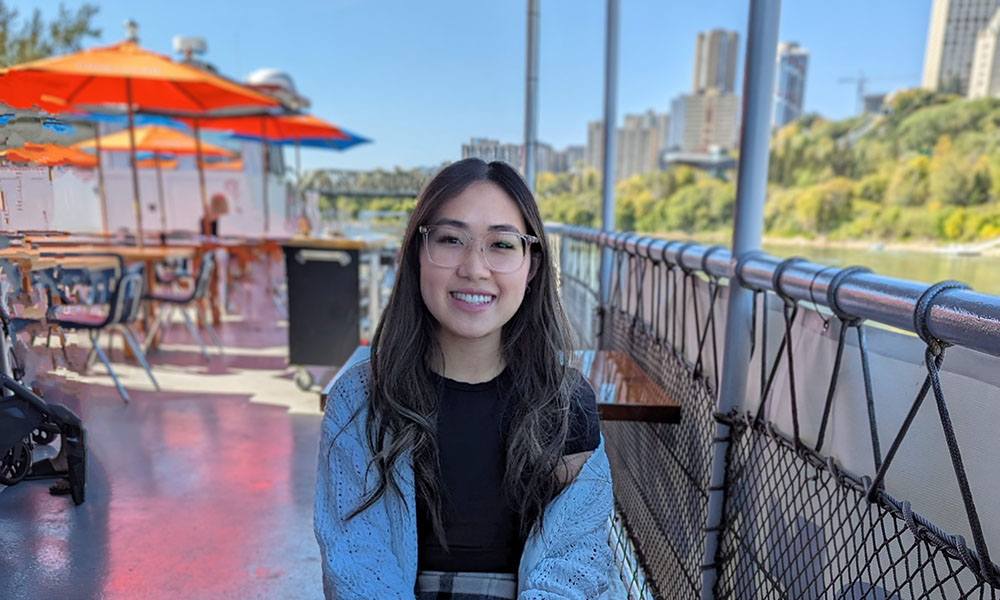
422	80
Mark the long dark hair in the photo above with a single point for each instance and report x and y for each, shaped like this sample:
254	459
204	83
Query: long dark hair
535	345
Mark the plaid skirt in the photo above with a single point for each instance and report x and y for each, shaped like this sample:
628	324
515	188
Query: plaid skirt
438	585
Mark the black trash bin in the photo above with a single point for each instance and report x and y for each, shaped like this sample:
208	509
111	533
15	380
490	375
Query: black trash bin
323	303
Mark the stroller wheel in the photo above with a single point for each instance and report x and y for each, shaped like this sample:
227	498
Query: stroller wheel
44	435
15	464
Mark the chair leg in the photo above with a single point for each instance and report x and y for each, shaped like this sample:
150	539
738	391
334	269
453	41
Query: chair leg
209	328
158	321
194	331
62	346
107	365
134	344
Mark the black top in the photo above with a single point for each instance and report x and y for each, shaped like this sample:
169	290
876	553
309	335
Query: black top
213	226
480	525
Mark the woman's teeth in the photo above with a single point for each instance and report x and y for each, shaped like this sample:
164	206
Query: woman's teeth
472	298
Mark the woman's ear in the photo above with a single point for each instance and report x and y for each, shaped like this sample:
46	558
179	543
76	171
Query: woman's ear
536	259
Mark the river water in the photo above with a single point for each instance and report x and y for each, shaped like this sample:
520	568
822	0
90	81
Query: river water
980	272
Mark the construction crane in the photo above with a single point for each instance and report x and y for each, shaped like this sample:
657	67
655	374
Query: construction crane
862	81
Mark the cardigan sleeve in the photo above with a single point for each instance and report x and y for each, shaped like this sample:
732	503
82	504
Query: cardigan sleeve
572	559
358	562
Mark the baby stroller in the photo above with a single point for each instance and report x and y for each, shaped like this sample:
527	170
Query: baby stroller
26	419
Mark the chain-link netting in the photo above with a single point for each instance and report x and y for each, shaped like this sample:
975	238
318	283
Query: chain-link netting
661	471
798	525
795	522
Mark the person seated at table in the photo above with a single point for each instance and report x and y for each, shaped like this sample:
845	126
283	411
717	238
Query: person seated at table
217	206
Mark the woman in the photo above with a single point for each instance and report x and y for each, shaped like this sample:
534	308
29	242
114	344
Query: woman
463	459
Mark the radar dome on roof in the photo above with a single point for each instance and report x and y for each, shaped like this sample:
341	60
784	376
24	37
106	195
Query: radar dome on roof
272	78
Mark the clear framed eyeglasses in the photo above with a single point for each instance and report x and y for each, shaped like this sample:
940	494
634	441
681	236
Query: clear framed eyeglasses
503	251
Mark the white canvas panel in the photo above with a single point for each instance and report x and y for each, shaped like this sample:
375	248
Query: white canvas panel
922	472
30	204
77	203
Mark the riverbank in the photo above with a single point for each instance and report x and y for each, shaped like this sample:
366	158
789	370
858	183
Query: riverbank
919	246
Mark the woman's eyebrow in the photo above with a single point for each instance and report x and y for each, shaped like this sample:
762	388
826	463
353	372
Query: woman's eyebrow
462	225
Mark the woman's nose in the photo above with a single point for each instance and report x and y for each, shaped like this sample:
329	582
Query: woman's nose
474	263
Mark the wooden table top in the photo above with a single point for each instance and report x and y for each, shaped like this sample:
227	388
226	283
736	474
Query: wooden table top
146	253
35	261
624	391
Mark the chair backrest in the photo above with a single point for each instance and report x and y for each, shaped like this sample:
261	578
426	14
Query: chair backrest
204	275
127	296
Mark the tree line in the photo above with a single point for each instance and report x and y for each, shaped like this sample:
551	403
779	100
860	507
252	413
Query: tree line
926	169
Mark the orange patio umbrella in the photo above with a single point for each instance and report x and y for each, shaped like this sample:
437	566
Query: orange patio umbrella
223	165
156	139
161	162
50	155
129	77
277	128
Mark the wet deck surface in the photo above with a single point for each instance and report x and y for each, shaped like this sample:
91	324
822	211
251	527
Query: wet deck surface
201	491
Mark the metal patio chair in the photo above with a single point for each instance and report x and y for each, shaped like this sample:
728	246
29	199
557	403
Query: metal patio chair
181	300
124	295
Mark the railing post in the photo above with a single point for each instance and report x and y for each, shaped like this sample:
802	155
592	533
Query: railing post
531	96
610	110
758	91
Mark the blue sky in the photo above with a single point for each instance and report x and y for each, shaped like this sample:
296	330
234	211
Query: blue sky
421	77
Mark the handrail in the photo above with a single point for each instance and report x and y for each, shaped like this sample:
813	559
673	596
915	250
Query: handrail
959	317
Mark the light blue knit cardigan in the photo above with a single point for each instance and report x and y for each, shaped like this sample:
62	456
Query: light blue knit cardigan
374	555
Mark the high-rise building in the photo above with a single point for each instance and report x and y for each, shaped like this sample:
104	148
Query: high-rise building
571	157
700	122
715	53
789	83
595	145
637	144
545	158
984	79
490	150
951	42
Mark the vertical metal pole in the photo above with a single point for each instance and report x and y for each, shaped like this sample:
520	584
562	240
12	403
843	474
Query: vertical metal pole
374	290
298	178
136	202
755	137
163	201
206	226
610	109
100	179
264	164
531	97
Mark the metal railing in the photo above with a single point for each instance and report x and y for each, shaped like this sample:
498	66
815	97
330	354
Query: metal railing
636	321
959	317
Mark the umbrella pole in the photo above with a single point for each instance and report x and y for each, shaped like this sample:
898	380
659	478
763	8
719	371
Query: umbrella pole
100	179
264	166
159	185
205	225
136	204
298	176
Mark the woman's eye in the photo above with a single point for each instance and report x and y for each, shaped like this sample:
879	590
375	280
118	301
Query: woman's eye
449	240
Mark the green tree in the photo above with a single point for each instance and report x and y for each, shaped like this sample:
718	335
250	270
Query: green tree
34	37
909	186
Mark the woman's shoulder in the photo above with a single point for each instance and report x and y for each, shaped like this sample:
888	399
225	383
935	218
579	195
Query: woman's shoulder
347	393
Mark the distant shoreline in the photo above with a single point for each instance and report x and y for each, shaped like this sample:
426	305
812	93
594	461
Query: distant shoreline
924	246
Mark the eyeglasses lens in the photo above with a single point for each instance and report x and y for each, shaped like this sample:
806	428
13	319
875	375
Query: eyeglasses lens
447	247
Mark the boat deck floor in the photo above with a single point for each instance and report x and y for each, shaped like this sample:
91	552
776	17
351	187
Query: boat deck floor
203	490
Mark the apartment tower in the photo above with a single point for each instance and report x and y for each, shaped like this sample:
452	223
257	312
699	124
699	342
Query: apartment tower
789	83
951	42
